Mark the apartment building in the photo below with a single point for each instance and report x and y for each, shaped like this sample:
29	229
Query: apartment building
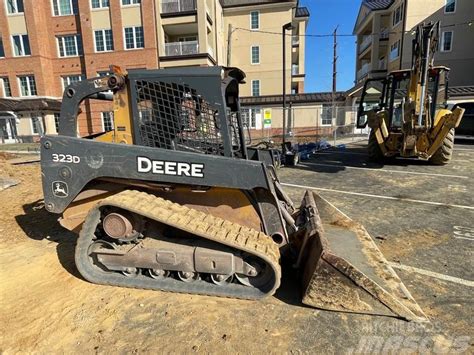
47	44
385	30
255	44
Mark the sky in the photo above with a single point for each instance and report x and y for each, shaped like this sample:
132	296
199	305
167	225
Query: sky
325	15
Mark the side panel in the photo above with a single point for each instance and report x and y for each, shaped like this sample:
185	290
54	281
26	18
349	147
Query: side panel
68	164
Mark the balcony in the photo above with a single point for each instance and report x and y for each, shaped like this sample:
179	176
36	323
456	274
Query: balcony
181	48
384	33
382	64
366	43
363	71
295	40
177	6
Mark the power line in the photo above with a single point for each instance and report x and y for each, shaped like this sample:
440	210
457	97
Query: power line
468	23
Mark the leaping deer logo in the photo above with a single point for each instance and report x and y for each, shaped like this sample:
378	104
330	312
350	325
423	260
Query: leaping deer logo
60	189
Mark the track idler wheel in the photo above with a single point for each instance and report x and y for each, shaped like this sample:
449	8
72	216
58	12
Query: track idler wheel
257	277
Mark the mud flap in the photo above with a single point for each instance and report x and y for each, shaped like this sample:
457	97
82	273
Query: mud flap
343	269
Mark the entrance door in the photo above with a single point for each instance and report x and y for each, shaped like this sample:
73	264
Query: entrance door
6	130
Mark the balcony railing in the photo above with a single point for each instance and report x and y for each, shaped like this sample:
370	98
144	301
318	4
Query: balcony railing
181	48
382	64
366	42
173	6
363	71
295	69
295	40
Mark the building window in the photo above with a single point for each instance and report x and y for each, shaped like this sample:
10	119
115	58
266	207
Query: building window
104	41
99	4
107	120
69	46
2	50
326	116
27	85
130	2
7	91
56	122
397	15
255	87
255	54
450	7
64	7
254	20
21	45
15	6
394	50
68	80
35	125
249	117
447	41
134	37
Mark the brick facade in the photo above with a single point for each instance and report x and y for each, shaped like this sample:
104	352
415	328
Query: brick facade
48	68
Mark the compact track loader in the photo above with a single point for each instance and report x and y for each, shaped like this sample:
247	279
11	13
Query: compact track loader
407	111
171	199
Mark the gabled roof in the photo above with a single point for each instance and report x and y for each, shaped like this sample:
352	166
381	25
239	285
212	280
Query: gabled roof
368	6
302	12
378	4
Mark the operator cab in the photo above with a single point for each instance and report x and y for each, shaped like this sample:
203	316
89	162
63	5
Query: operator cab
390	94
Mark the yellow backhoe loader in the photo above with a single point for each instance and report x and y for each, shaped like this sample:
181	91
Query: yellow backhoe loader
407	111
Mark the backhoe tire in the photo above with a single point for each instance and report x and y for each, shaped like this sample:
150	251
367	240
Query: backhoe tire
375	153
444	153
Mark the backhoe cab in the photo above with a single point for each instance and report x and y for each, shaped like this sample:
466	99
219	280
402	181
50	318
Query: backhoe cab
407	111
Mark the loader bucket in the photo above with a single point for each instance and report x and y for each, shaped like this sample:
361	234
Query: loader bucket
343	269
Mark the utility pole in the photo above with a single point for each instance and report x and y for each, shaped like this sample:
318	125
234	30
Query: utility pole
334	64
284	28
229	43
334	82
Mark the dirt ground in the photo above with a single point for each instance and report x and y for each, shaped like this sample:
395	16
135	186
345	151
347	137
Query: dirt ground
46	306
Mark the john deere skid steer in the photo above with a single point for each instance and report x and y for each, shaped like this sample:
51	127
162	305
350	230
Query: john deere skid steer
172	200
407	111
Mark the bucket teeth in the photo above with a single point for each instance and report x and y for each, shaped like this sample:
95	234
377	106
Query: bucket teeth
343	269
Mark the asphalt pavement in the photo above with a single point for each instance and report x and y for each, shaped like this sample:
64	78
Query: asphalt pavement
422	218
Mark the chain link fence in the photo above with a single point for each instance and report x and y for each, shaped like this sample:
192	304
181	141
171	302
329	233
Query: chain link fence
304	124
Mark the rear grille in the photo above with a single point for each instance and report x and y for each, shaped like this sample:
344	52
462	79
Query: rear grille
175	116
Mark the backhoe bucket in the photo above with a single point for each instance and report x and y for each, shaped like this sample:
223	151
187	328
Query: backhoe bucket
344	270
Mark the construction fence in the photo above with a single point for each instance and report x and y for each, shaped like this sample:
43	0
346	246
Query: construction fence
304	124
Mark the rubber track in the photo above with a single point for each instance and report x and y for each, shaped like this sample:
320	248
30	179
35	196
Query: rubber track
189	220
